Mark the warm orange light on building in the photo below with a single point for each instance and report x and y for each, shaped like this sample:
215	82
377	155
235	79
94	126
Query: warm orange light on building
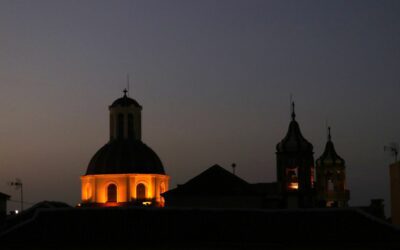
293	185
122	189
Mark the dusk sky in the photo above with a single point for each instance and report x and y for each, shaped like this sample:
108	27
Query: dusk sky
214	79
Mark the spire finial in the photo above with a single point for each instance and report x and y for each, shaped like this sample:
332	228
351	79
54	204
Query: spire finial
293	112
125	91
329	134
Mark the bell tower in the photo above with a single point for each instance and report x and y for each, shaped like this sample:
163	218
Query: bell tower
331	178
295	167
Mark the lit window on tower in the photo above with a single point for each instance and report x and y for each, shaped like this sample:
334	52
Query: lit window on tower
292	179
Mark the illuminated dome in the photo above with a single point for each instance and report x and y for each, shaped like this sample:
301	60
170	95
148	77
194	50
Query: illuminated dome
125	171
124	157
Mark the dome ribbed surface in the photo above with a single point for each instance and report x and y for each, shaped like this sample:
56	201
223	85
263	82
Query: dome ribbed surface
123	157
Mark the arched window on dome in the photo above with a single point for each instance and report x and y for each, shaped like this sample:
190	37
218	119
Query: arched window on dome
141	191
112	193
120	126
131	130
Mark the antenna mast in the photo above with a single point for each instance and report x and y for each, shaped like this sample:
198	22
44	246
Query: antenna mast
393	149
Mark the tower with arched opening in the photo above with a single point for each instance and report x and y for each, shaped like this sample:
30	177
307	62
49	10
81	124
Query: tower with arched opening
331	177
125	171
295	167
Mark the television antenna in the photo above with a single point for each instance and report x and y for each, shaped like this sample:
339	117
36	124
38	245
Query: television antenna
393	149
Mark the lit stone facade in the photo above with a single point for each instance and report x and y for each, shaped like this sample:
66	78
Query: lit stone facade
125	171
95	189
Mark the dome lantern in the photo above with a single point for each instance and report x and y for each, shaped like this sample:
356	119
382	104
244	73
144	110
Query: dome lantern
125	119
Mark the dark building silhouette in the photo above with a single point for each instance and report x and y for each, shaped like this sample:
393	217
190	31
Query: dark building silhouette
200	228
395	192
3	205
295	168
219	188
214	210
14	220
331	178
295	185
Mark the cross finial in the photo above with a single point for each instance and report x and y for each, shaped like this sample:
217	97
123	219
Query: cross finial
293	112
125	91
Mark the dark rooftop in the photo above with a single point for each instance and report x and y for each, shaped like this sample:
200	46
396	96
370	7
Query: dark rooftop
195	228
214	181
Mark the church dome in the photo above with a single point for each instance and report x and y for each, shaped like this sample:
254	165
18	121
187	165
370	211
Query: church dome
123	157
294	140
125	101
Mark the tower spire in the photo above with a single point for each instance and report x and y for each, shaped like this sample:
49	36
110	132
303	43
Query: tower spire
329	134
293	112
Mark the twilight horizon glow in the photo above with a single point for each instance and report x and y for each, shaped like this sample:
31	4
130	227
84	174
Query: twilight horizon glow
214	79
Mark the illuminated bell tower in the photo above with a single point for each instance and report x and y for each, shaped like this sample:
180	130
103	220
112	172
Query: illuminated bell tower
331	178
295	167
125	171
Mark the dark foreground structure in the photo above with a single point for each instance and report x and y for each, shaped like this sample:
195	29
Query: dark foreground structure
173	228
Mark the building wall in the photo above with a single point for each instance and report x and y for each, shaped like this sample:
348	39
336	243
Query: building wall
220	201
3	207
94	187
395	192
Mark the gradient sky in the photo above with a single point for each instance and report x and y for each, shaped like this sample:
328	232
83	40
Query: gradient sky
214	78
